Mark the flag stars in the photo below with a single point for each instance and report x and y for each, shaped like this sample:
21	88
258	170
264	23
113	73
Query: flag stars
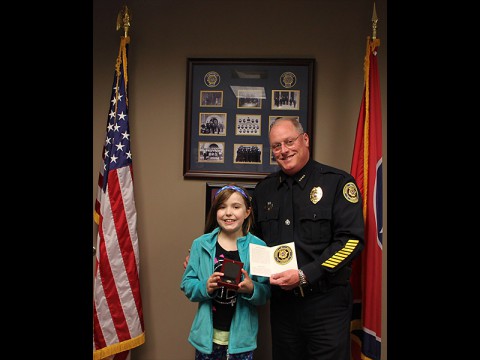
121	116
112	114
117	97
110	127
129	155
108	141
126	135
120	147
116	127
114	159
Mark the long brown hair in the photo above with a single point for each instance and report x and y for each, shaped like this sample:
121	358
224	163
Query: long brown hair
221	196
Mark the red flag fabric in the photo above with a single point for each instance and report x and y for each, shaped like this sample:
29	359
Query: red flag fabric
366	277
117	314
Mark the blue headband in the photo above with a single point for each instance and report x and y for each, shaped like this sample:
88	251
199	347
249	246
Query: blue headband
232	187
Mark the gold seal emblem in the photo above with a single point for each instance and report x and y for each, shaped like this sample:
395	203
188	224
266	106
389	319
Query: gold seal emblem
316	194
288	79
350	192
212	79
283	254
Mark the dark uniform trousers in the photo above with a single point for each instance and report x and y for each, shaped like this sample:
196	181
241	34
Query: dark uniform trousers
319	313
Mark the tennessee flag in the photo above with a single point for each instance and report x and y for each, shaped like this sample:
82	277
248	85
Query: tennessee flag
117	313
366	277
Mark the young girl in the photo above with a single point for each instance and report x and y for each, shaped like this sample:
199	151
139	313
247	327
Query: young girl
226	323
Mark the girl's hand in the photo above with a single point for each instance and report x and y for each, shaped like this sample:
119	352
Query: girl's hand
212	282
246	285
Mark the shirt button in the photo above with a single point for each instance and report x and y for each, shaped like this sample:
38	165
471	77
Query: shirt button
287	222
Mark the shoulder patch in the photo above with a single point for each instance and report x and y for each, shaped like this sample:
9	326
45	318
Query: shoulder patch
350	192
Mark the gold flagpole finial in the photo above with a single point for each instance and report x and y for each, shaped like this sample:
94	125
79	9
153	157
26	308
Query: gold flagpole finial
123	19
374	23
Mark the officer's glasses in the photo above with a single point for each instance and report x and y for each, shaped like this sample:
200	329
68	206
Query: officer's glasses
277	147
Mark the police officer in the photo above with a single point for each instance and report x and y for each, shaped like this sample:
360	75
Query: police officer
319	208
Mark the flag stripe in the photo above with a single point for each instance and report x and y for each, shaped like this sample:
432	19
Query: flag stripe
126	270
114	268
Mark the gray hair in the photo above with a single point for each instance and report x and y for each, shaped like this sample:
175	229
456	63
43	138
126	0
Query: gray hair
294	120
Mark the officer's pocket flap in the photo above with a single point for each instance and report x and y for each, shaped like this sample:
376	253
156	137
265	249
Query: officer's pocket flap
313	213
267	215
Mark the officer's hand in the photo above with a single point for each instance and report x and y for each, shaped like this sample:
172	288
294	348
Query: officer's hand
186	260
287	279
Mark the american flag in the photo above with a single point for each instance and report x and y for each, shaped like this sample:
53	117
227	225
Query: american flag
117	314
367	169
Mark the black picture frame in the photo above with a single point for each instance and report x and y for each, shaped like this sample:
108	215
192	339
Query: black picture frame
212	187
245	87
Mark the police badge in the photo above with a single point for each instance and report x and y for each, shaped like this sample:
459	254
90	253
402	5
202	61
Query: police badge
316	194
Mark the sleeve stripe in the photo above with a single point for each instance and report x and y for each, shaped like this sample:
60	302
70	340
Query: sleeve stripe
341	254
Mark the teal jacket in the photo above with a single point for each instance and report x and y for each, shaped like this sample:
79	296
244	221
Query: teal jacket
244	327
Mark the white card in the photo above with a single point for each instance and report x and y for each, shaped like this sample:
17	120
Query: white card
265	260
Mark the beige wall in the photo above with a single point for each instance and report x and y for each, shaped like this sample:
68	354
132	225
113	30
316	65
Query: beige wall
170	209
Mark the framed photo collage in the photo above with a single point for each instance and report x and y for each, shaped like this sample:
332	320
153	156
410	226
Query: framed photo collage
230	105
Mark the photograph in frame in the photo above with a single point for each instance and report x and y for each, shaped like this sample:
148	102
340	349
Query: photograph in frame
248	125
211	98
211	152
212	124
285	99
247	153
249	99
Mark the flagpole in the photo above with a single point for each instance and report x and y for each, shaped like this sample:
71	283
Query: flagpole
374	23
124	17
